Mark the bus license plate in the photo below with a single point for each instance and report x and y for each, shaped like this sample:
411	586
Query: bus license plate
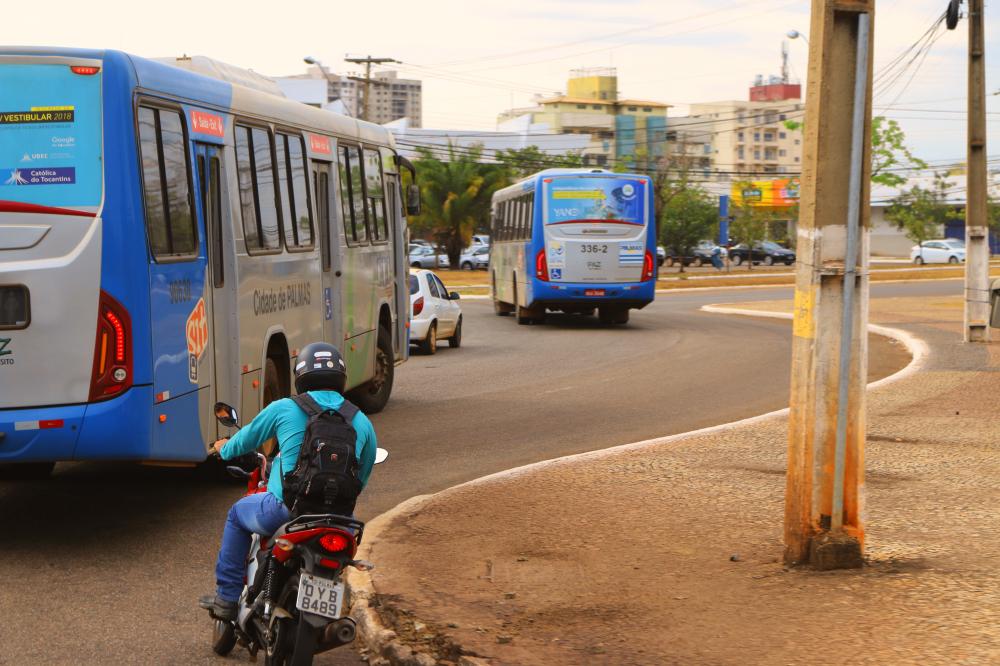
320	596
593	292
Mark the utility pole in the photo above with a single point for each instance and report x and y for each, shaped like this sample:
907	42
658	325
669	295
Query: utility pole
368	61
977	241
826	433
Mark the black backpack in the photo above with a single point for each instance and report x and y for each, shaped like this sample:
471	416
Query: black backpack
325	478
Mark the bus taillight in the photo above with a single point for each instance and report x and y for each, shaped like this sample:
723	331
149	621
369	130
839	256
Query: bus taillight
648	266
541	266
112	351
83	70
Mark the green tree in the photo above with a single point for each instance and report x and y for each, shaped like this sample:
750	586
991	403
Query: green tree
890	153
455	196
688	216
921	211
522	162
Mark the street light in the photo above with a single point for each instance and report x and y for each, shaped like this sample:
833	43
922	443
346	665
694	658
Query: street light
309	60
795	34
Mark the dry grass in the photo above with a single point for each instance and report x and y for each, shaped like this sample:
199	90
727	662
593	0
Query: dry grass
478	283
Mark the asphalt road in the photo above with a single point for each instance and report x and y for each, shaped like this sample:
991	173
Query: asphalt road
103	563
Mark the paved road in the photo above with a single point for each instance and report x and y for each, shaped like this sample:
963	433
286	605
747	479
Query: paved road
103	562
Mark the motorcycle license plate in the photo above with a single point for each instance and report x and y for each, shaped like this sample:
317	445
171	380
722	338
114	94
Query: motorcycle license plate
320	596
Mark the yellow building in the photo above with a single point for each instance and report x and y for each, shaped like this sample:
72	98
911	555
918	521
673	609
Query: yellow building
621	130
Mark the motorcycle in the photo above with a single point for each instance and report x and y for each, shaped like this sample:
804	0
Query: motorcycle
293	603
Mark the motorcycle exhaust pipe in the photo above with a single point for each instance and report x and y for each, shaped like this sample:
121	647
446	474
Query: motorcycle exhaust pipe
338	633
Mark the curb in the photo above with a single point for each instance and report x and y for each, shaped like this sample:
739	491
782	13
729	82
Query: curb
384	644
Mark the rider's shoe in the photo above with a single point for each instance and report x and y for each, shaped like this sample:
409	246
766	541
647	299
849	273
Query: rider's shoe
220	609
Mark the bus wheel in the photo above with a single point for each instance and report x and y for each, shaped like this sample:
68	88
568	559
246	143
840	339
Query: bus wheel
609	316
35	471
501	309
373	396
527	316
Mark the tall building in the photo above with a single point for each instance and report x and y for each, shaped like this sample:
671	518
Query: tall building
625	131
748	139
393	98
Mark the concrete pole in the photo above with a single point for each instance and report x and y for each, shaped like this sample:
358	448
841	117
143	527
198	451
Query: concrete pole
977	242
825	481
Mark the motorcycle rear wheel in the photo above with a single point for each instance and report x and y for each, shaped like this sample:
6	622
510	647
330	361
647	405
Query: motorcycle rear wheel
278	650
223	638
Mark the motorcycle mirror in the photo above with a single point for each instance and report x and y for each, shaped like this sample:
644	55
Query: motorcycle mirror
380	455
226	415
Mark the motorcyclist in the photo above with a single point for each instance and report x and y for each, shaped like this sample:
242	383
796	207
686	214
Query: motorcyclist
321	371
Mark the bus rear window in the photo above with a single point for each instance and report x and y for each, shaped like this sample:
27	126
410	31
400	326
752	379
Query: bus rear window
50	135
575	200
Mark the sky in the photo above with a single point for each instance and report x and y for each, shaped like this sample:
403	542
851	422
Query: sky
478	59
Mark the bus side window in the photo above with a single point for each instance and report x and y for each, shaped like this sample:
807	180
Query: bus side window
375	195
267	203
295	208
344	168
321	191
166	179
361	226
531	217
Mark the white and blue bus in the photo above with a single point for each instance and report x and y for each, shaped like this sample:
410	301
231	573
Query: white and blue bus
575	241
171	234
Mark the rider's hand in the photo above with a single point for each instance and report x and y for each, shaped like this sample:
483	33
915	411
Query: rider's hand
219	444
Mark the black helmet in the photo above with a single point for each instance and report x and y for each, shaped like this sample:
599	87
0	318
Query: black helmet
320	368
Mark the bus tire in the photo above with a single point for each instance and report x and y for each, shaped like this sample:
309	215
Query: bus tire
527	316
501	309
428	345
272	384
612	315
33	471
455	341
373	395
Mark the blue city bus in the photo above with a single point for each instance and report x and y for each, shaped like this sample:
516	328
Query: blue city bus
171	234
574	241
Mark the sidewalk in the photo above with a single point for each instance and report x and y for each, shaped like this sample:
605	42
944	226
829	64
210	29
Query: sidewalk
669	553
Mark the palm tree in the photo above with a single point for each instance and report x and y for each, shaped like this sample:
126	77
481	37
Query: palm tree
456	195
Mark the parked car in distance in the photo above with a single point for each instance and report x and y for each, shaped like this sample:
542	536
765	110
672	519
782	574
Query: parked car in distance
701	255
661	255
419	241
434	313
423	257
941	251
480	239
474	258
764	252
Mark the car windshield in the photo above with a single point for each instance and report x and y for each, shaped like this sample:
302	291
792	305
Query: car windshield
768	245
482	250
414	285
954	242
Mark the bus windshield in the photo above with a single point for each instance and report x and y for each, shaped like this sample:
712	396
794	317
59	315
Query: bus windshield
618	200
50	135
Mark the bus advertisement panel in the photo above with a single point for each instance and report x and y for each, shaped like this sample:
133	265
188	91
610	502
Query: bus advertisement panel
50	136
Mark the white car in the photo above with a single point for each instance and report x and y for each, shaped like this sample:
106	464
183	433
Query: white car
434	313
475	257
422	256
943	251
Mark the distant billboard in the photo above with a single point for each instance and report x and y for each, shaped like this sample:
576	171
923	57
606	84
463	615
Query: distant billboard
780	193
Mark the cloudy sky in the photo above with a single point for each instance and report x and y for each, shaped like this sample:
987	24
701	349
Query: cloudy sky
477	59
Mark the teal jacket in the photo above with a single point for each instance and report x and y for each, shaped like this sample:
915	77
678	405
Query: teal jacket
286	421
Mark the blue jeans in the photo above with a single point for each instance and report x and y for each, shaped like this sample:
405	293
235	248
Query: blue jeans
262	513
